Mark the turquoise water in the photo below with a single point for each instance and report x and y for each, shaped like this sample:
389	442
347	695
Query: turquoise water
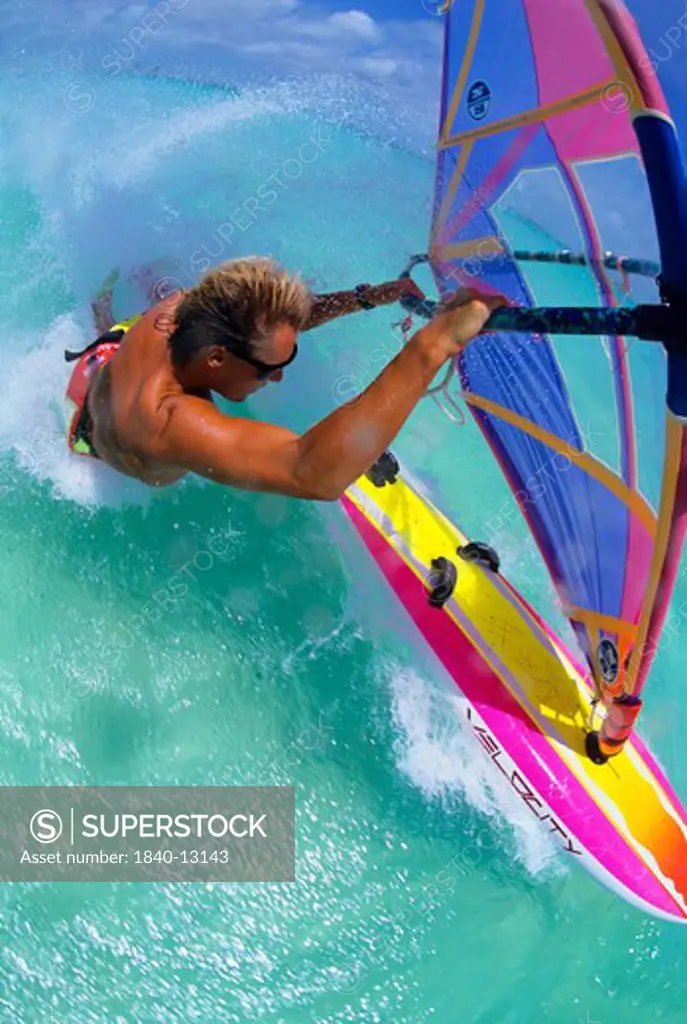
286	661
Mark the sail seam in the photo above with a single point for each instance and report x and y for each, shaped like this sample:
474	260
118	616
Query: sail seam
534	116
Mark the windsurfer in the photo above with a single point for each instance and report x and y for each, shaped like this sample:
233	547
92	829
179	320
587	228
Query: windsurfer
143	392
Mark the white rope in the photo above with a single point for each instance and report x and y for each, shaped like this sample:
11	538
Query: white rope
440	393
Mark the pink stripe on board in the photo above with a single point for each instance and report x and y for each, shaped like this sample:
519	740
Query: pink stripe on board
506	719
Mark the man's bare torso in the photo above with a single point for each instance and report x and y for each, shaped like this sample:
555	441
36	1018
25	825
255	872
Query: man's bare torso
131	398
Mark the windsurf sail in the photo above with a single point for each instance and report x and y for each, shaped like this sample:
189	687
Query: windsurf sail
554	139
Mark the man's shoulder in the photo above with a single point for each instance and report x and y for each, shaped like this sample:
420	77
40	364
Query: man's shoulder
182	419
189	406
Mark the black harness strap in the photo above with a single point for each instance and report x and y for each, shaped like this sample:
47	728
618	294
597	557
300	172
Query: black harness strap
109	336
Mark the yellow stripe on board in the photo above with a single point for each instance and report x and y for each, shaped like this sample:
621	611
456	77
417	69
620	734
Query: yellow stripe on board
533	116
583	460
671	472
475	28
624	79
549	688
450	196
488	246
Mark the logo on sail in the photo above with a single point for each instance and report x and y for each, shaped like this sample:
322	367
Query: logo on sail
479	100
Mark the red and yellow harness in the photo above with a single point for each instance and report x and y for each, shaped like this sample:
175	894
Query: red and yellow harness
89	363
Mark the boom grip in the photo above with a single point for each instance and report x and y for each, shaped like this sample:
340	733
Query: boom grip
663	323
563	320
650	323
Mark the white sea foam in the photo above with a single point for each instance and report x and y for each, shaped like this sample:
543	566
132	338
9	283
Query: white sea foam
437	751
33	422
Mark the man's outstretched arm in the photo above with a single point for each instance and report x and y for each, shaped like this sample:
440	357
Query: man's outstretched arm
327	459
336	304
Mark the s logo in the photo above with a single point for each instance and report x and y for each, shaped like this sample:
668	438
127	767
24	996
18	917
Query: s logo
46	826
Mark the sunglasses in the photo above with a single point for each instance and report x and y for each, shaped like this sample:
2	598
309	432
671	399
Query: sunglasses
265	370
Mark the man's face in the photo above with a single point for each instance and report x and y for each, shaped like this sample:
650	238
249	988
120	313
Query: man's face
236	379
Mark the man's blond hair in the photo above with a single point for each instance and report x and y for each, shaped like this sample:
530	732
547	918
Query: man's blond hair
236	304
